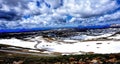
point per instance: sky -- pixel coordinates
(44, 13)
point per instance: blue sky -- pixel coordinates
(45, 13)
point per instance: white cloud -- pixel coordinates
(113, 16)
(88, 7)
(81, 11)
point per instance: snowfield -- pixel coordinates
(68, 46)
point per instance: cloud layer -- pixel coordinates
(41, 13)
